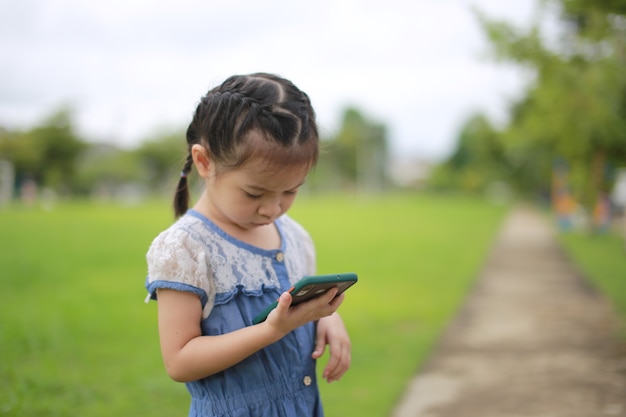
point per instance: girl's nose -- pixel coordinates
(270, 210)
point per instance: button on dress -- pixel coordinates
(235, 281)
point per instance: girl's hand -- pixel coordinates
(331, 331)
(285, 318)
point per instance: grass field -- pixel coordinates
(77, 339)
(602, 260)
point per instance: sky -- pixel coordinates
(128, 68)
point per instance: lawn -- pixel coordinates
(77, 339)
(602, 259)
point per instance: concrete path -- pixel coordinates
(532, 340)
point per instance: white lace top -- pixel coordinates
(196, 255)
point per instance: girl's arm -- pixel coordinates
(189, 356)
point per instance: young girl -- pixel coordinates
(253, 140)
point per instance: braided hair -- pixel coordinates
(260, 102)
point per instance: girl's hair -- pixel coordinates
(280, 115)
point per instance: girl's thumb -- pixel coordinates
(284, 301)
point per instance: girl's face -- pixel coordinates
(252, 195)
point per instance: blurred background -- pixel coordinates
(478, 95)
(424, 108)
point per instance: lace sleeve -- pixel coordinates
(177, 261)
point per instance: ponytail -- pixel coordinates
(181, 197)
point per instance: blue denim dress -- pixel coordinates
(235, 281)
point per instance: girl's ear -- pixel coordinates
(201, 160)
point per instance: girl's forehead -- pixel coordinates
(267, 175)
(264, 154)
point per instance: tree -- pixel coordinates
(476, 162)
(575, 106)
(359, 151)
(47, 153)
(103, 169)
(162, 158)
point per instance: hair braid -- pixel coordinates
(181, 197)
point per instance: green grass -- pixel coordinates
(602, 259)
(416, 257)
(76, 338)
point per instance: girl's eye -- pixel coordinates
(253, 196)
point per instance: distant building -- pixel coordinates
(410, 172)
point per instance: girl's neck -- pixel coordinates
(264, 237)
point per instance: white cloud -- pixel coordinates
(132, 66)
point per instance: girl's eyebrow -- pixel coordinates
(256, 188)
(259, 188)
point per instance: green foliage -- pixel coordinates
(358, 153)
(154, 164)
(477, 144)
(105, 167)
(162, 157)
(592, 18)
(47, 153)
(76, 338)
(477, 161)
(53, 155)
(574, 109)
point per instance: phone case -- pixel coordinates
(313, 286)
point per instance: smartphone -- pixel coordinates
(311, 287)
